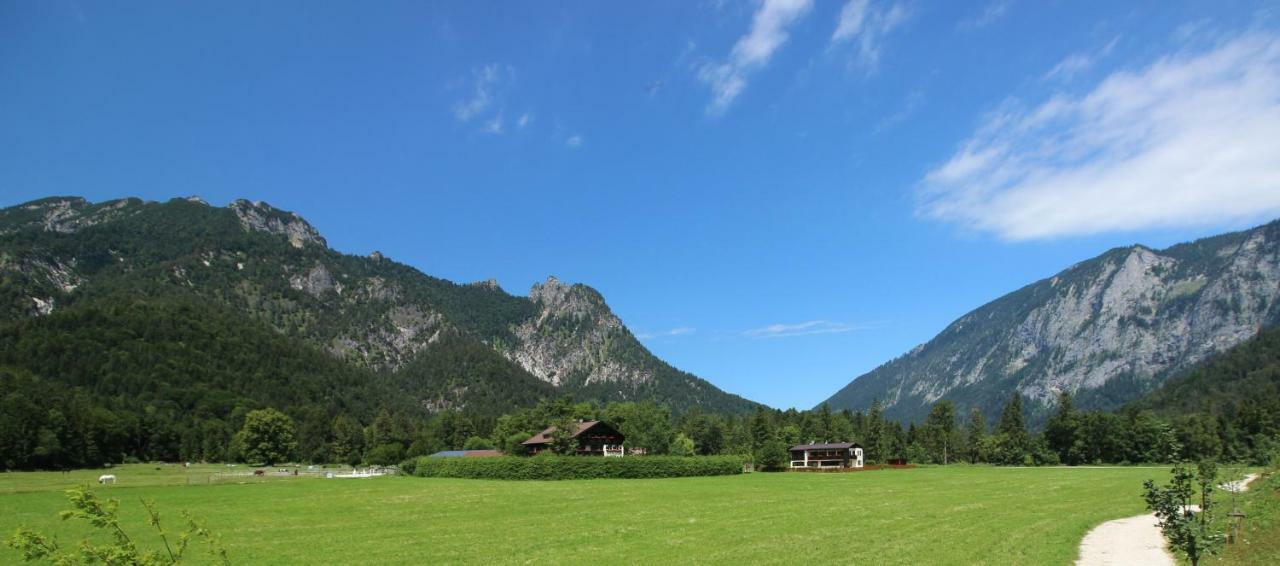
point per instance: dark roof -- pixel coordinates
(466, 454)
(449, 454)
(482, 454)
(544, 437)
(827, 446)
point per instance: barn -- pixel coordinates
(595, 438)
(828, 455)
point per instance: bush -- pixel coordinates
(385, 454)
(113, 545)
(409, 466)
(576, 467)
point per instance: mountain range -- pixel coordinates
(68, 265)
(246, 305)
(1108, 330)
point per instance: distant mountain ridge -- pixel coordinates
(272, 266)
(1108, 329)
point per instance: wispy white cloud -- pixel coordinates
(681, 331)
(1189, 140)
(484, 104)
(1068, 67)
(994, 11)
(802, 329)
(486, 83)
(1077, 63)
(865, 25)
(493, 125)
(574, 141)
(912, 103)
(752, 51)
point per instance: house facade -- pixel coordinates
(595, 438)
(826, 456)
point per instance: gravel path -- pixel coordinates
(1134, 541)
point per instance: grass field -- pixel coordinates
(957, 515)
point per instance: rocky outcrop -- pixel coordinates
(569, 340)
(1107, 330)
(316, 281)
(262, 217)
(64, 215)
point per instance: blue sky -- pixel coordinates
(776, 196)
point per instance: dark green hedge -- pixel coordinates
(575, 467)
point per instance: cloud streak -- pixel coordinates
(865, 25)
(993, 12)
(752, 51)
(681, 331)
(1189, 140)
(1077, 63)
(801, 329)
(486, 83)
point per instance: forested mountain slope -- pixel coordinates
(1239, 380)
(450, 346)
(1109, 330)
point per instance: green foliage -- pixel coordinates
(682, 446)
(268, 437)
(975, 437)
(121, 549)
(386, 454)
(772, 456)
(645, 425)
(1189, 531)
(1229, 406)
(562, 435)
(577, 467)
(347, 441)
(941, 438)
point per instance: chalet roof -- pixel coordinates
(827, 446)
(466, 454)
(544, 437)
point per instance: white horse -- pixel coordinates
(107, 478)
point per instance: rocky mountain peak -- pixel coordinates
(262, 217)
(558, 300)
(1107, 329)
(64, 215)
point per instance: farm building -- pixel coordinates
(595, 438)
(466, 454)
(830, 455)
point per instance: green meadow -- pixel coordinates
(956, 515)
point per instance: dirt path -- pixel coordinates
(1134, 541)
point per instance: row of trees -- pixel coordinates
(46, 425)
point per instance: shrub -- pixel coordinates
(385, 454)
(576, 467)
(1192, 532)
(409, 466)
(772, 456)
(114, 545)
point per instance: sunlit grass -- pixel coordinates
(931, 515)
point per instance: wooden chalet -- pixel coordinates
(829, 455)
(595, 438)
